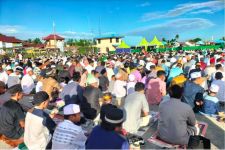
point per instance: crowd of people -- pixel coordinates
(46, 101)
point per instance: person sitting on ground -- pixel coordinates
(106, 105)
(12, 116)
(131, 84)
(39, 126)
(137, 109)
(221, 94)
(177, 119)
(192, 87)
(211, 102)
(156, 88)
(4, 96)
(69, 135)
(107, 135)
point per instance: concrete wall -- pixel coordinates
(105, 43)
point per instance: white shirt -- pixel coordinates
(130, 87)
(67, 135)
(13, 79)
(110, 73)
(119, 89)
(89, 68)
(38, 86)
(221, 94)
(27, 84)
(3, 77)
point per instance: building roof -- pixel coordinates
(53, 37)
(107, 36)
(9, 39)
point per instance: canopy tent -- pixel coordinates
(219, 41)
(144, 43)
(123, 45)
(155, 42)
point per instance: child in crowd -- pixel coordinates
(211, 102)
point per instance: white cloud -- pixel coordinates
(173, 27)
(77, 35)
(182, 9)
(205, 11)
(145, 4)
(10, 29)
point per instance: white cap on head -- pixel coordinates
(142, 62)
(173, 60)
(214, 88)
(195, 75)
(131, 77)
(8, 68)
(71, 109)
(29, 69)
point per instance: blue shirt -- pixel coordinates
(211, 105)
(174, 72)
(103, 139)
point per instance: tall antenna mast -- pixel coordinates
(99, 25)
(53, 26)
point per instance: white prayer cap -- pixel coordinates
(214, 88)
(195, 75)
(148, 59)
(29, 69)
(142, 62)
(71, 109)
(53, 66)
(16, 63)
(8, 68)
(131, 77)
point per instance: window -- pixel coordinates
(99, 41)
(117, 40)
(110, 40)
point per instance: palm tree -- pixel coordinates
(163, 39)
(177, 37)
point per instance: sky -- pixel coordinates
(84, 19)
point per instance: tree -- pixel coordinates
(177, 37)
(37, 41)
(223, 38)
(29, 40)
(163, 39)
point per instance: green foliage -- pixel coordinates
(37, 41)
(195, 40)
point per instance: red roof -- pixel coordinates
(53, 37)
(9, 39)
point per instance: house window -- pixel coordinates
(110, 40)
(99, 41)
(117, 40)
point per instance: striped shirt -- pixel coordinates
(67, 135)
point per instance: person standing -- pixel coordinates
(69, 135)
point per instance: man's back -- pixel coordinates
(175, 117)
(72, 93)
(190, 91)
(104, 139)
(10, 114)
(134, 104)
